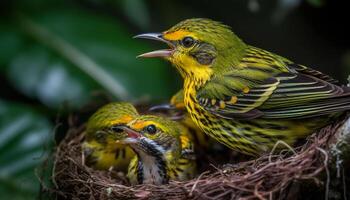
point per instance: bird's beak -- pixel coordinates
(132, 135)
(162, 107)
(168, 107)
(157, 53)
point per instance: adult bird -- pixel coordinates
(163, 150)
(245, 97)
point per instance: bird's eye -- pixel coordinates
(117, 129)
(151, 129)
(100, 136)
(187, 41)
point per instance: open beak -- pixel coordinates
(132, 135)
(157, 53)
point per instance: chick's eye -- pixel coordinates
(151, 129)
(187, 41)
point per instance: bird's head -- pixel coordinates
(103, 125)
(153, 136)
(199, 47)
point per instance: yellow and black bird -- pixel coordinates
(245, 97)
(163, 148)
(99, 148)
(176, 104)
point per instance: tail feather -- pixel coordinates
(323, 107)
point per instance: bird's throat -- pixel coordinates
(151, 170)
(192, 71)
(152, 165)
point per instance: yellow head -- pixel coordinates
(102, 125)
(199, 48)
(153, 136)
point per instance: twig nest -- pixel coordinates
(270, 176)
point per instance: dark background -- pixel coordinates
(59, 57)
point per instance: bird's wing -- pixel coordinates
(312, 72)
(298, 93)
(306, 95)
(232, 96)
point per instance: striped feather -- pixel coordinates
(277, 88)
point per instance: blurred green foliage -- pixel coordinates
(56, 55)
(63, 54)
(60, 52)
(25, 137)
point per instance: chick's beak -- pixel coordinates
(157, 53)
(132, 135)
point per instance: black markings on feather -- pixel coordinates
(303, 88)
(230, 132)
(151, 150)
(123, 153)
(263, 135)
(182, 162)
(249, 147)
(261, 58)
(275, 126)
(195, 136)
(116, 155)
(191, 74)
(310, 71)
(204, 122)
(280, 137)
(178, 169)
(176, 174)
(249, 61)
(140, 172)
(260, 69)
(193, 100)
(90, 159)
(216, 129)
(254, 124)
(251, 114)
(229, 138)
(247, 128)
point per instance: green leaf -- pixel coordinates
(39, 73)
(24, 137)
(74, 52)
(137, 12)
(10, 43)
(108, 43)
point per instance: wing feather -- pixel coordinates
(297, 92)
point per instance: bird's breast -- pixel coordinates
(198, 114)
(152, 170)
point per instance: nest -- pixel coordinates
(272, 176)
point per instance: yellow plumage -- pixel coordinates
(245, 97)
(201, 139)
(99, 148)
(162, 155)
